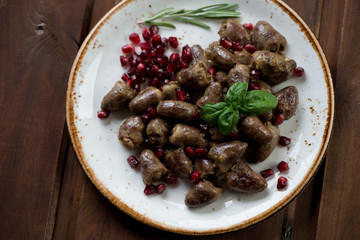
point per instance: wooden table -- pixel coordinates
(44, 193)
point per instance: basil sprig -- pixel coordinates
(225, 115)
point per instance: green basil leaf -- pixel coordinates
(257, 102)
(210, 112)
(228, 120)
(236, 93)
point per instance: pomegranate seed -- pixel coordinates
(182, 95)
(284, 141)
(102, 114)
(145, 118)
(125, 77)
(255, 74)
(155, 82)
(145, 46)
(145, 34)
(154, 69)
(190, 151)
(166, 81)
(248, 26)
(186, 54)
(196, 116)
(171, 67)
(128, 48)
(145, 55)
(123, 61)
(237, 46)
(147, 143)
(153, 53)
(160, 188)
(183, 64)
(160, 153)
(134, 38)
(195, 177)
(200, 152)
(131, 82)
(212, 71)
(278, 119)
(299, 71)
(150, 189)
(153, 30)
(226, 43)
(203, 128)
(170, 178)
(174, 57)
(250, 48)
(164, 42)
(132, 71)
(152, 112)
(133, 162)
(254, 86)
(156, 39)
(283, 166)
(140, 68)
(160, 50)
(173, 42)
(267, 173)
(282, 183)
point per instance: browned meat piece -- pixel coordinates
(213, 94)
(265, 37)
(184, 135)
(158, 132)
(288, 101)
(176, 109)
(202, 194)
(131, 132)
(256, 130)
(242, 57)
(226, 154)
(273, 67)
(204, 166)
(151, 168)
(243, 179)
(216, 135)
(119, 97)
(195, 77)
(239, 73)
(198, 55)
(169, 90)
(220, 57)
(233, 30)
(150, 96)
(220, 77)
(178, 162)
(266, 116)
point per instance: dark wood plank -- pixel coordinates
(340, 201)
(37, 47)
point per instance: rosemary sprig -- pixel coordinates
(222, 10)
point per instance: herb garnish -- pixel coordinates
(225, 115)
(223, 10)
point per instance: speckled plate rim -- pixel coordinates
(70, 118)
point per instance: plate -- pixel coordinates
(95, 70)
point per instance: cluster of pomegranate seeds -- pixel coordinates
(160, 153)
(151, 189)
(196, 152)
(212, 70)
(299, 71)
(182, 95)
(250, 48)
(278, 119)
(248, 26)
(267, 172)
(282, 183)
(284, 141)
(283, 166)
(149, 114)
(133, 162)
(170, 178)
(254, 86)
(195, 177)
(102, 114)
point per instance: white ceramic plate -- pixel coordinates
(103, 158)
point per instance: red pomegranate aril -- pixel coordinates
(125, 77)
(203, 128)
(226, 43)
(278, 119)
(166, 81)
(123, 61)
(186, 55)
(145, 34)
(152, 111)
(173, 42)
(254, 86)
(299, 71)
(155, 82)
(200, 152)
(248, 26)
(154, 69)
(171, 67)
(190, 151)
(170, 178)
(196, 116)
(145, 118)
(128, 48)
(183, 65)
(102, 114)
(212, 70)
(284, 141)
(282, 183)
(160, 50)
(150, 189)
(153, 53)
(134, 38)
(132, 71)
(195, 177)
(181, 94)
(267, 173)
(153, 29)
(237, 46)
(156, 39)
(160, 188)
(147, 143)
(160, 153)
(145, 46)
(164, 42)
(283, 166)
(250, 48)
(255, 74)
(140, 68)
(174, 57)
(133, 162)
